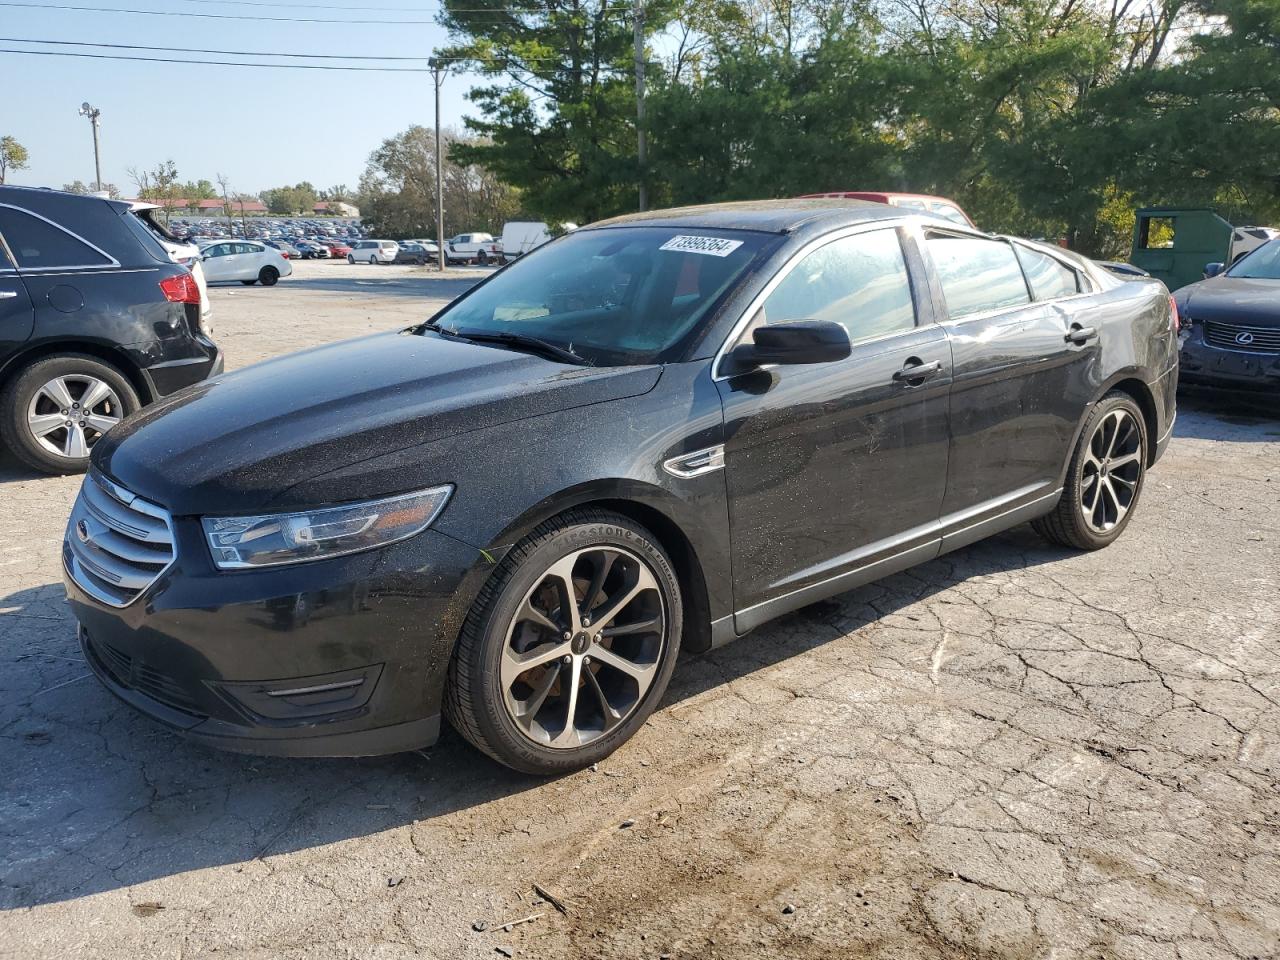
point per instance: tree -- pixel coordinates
(558, 117)
(13, 156)
(287, 201)
(397, 193)
(160, 185)
(79, 186)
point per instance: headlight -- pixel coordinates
(241, 542)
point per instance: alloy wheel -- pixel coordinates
(1111, 471)
(584, 647)
(69, 413)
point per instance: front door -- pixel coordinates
(836, 471)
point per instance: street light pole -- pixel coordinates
(437, 69)
(94, 115)
(641, 146)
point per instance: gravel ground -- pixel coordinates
(1013, 751)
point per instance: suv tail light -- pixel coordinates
(180, 288)
(1174, 319)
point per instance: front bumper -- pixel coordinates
(343, 657)
(1203, 363)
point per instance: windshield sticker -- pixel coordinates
(711, 246)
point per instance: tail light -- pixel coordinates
(1174, 319)
(180, 288)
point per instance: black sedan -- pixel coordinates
(1232, 324)
(410, 252)
(652, 434)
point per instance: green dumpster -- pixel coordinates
(1174, 243)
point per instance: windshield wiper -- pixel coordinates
(532, 344)
(436, 328)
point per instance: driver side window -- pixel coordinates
(860, 282)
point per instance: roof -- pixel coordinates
(769, 216)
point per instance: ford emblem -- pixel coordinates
(1244, 338)
(82, 531)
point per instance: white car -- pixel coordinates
(468, 247)
(179, 251)
(373, 251)
(521, 236)
(245, 260)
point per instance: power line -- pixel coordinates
(228, 53)
(257, 19)
(211, 16)
(210, 63)
(265, 53)
(292, 66)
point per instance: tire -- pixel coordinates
(269, 276)
(351, 260)
(1112, 448)
(495, 635)
(26, 395)
(483, 259)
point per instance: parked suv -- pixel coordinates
(95, 321)
(654, 433)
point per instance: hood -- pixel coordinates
(1239, 300)
(231, 444)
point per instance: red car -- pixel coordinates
(939, 206)
(338, 249)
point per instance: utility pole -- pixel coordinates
(437, 68)
(640, 140)
(94, 115)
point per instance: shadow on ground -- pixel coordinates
(97, 797)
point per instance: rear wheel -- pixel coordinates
(569, 646)
(483, 259)
(351, 260)
(268, 276)
(1104, 480)
(53, 412)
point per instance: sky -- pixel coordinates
(261, 127)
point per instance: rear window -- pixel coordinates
(39, 244)
(1049, 278)
(977, 275)
(146, 235)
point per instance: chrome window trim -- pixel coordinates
(113, 264)
(740, 325)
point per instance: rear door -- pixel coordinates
(17, 317)
(836, 471)
(1020, 384)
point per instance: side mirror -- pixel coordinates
(797, 341)
(1212, 269)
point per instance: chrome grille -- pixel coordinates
(1233, 337)
(116, 544)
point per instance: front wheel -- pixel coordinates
(1104, 480)
(569, 646)
(268, 276)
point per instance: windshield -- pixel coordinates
(1262, 264)
(612, 296)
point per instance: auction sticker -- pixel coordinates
(711, 246)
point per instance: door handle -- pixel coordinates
(1079, 334)
(8, 294)
(914, 371)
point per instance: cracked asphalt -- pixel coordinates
(1013, 751)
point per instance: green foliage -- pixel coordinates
(1046, 118)
(290, 201)
(13, 156)
(79, 186)
(398, 189)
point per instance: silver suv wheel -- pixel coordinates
(69, 413)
